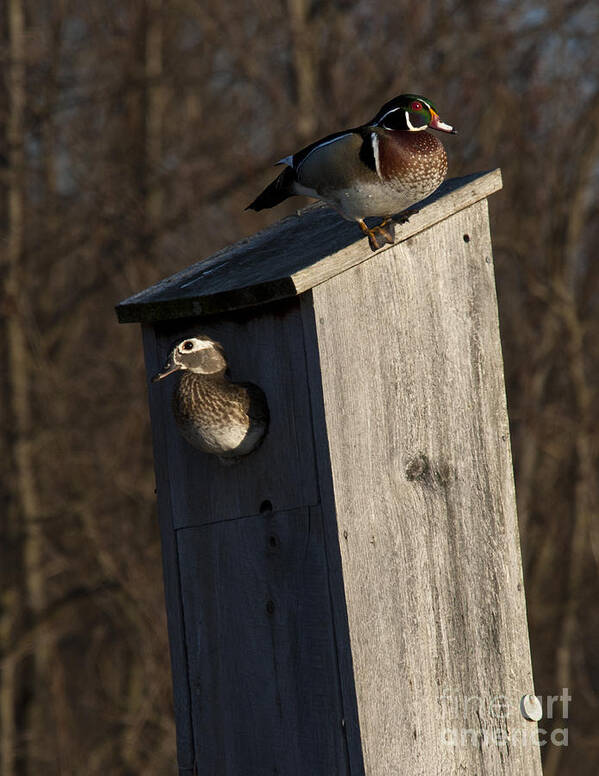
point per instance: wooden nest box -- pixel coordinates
(347, 599)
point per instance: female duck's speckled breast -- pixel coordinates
(215, 415)
(210, 415)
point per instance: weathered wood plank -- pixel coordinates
(389, 469)
(255, 690)
(170, 567)
(331, 539)
(262, 662)
(417, 427)
(288, 258)
(266, 349)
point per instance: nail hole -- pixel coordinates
(272, 540)
(466, 238)
(270, 607)
(265, 506)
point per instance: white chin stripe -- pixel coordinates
(411, 127)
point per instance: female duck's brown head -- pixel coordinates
(200, 355)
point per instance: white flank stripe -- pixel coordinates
(375, 150)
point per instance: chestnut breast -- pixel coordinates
(411, 161)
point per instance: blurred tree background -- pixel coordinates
(133, 135)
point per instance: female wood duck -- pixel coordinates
(213, 414)
(378, 169)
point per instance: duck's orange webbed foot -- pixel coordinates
(379, 235)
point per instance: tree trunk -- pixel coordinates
(154, 109)
(25, 495)
(304, 63)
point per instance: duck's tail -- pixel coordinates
(281, 188)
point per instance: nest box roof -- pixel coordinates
(288, 258)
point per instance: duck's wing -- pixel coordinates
(254, 403)
(336, 161)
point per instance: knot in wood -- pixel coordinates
(418, 467)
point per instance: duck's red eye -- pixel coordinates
(416, 106)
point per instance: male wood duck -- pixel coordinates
(378, 169)
(213, 414)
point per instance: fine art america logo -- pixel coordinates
(497, 720)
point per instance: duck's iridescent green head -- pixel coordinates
(410, 113)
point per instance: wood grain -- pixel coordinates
(411, 380)
(262, 663)
(288, 258)
(255, 674)
(170, 568)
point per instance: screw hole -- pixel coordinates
(265, 506)
(272, 540)
(466, 238)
